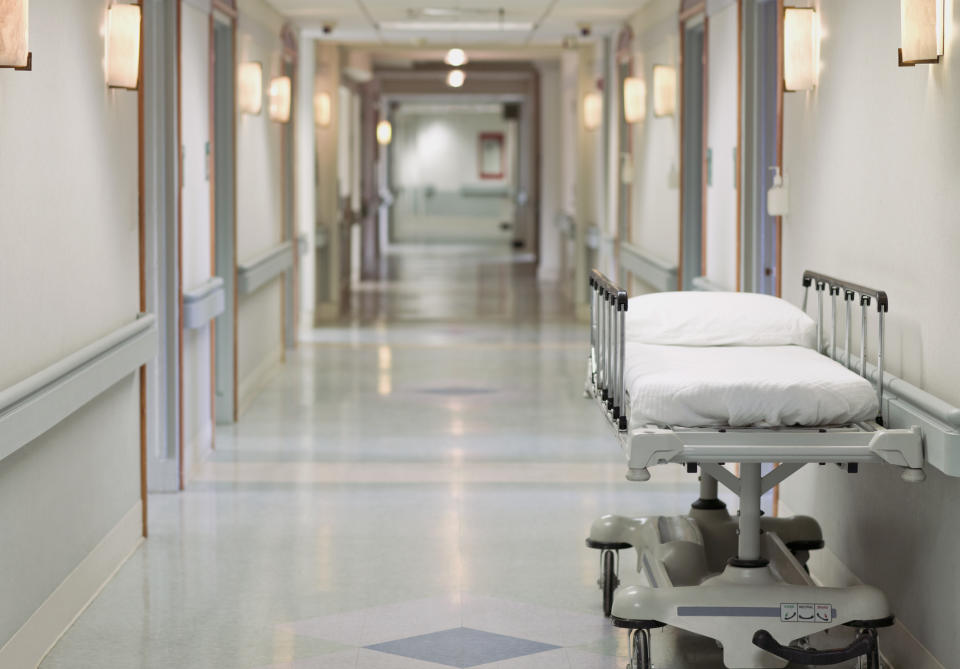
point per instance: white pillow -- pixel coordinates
(694, 318)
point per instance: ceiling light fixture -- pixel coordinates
(455, 78)
(455, 58)
(457, 26)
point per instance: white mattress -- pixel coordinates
(740, 386)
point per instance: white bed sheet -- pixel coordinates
(740, 386)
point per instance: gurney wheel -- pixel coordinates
(640, 649)
(608, 580)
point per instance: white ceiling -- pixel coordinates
(541, 22)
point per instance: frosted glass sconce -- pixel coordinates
(921, 31)
(322, 109)
(123, 46)
(250, 87)
(664, 90)
(801, 48)
(384, 133)
(15, 34)
(634, 99)
(592, 110)
(280, 99)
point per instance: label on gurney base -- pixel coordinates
(806, 613)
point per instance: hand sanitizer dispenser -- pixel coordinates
(778, 200)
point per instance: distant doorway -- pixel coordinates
(692, 150)
(224, 206)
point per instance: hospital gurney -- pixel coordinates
(741, 582)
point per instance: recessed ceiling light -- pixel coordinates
(455, 78)
(455, 58)
(455, 26)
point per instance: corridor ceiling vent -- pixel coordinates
(455, 78)
(384, 133)
(921, 31)
(455, 58)
(634, 99)
(801, 47)
(592, 110)
(280, 99)
(322, 109)
(250, 87)
(664, 90)
(123, 46)
(15, 34)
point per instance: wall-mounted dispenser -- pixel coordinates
(778, 197)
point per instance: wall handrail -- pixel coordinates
(36, 404)
(647, 267)
(203, 303)
(704, 284)
(264, 267)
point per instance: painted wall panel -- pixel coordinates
(259, 201)
(871, 158)
(655, 211)
(69, 275)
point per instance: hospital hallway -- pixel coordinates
(419, 334)
(411, 490)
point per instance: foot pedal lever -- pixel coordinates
(864, 644)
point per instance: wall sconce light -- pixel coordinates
(592, 110)
(280, 99)
(634, 99)
(921, 31)
(15, 35)
(664, 90)
(322, 109)
(384, 133)
(250, 87)
(455, 78)
(801, 47)
(123, 46)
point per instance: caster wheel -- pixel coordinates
(640, 650)
(608, 580)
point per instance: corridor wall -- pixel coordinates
(70, 509)
(196, 229)
(655, 211)
(260, 325)
(871, 155)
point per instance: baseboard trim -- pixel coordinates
(37, 637)
(258, 378)
(899, 647)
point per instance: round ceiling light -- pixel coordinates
(455, 78)
(455, 58)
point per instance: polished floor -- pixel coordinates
(411, 490)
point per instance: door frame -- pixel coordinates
(689, 19)
(224, 13)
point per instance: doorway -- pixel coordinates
(692, 150)
(224, 206)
